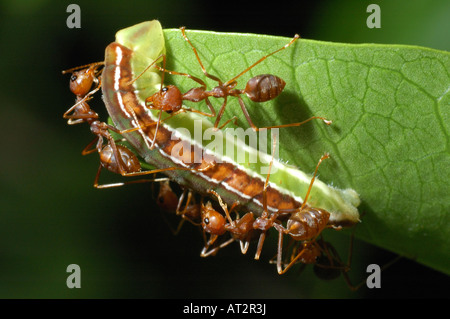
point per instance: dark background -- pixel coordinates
(51, 216)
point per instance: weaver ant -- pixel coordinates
(114, 157)
(260, 88)
(169, 201)
(215, 224)
(80, 84)
(321, 254)
(304, 224)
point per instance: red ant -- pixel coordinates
(169, 201)
(114, 157)
(321, 254)
(304, 224)
(80, 85)
(215, 224)
(260, 88)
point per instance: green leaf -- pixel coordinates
(389, 139)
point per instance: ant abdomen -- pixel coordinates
(129, 160)
(325, 269)
(307, 224)
(264, 87)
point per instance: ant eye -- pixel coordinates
(165, 89)
(73, 78)
(206, 220)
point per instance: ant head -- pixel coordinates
(168, 99)
(81, 82)
(212, 221)
(129, 162)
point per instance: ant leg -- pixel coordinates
(247, 116)
(164, 70)
(156, 130)
(159, 170)
(90, 65)
(164, 193)
(112, 128)
(179, 212)
(219, 117)
(233, 119)
(205, 252)
(163, 56)
(199, 81)
(96, 185)
(97, 176)
(88, 150)
(280, 269)
(211, 241)
(325, 156)
(86, 98)
(261, 240)
(261, 59)
(183, 213)
(211, 108)
(280, 252)
(249, 120)
(266, 221)
(180, 201)
(274, 259)
(221, 111)
(212, 77)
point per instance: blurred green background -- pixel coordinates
(51, 216)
